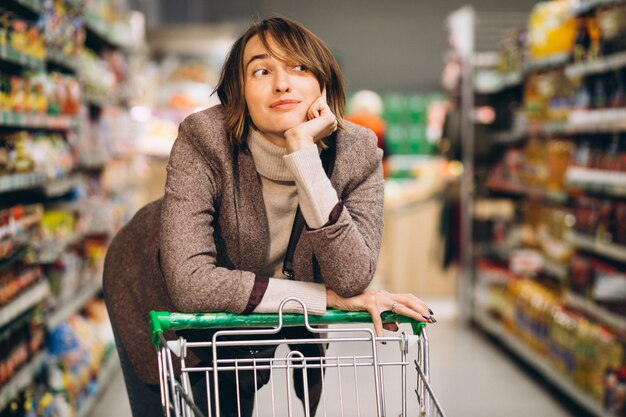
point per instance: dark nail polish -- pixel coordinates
(430, 311)
(430, 319)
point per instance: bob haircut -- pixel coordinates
(296, 44)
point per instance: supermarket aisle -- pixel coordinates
(471, 375)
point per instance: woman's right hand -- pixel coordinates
(376, 302)
(320, 124)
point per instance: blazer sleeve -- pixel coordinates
(347, 249)
(188, 251)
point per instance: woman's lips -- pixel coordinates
(284, 104)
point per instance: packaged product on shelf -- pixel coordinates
(581, 273)
(65, 274)
(535, 169)
(510, 52)
(575, 346)
(609, 290)
(612, 25)
(26, 39)
(620, 222)
(20, 341)
(52, 155)
(63, 28)
(14, 280)
(551, 29)
(78, 349)
(559, 154)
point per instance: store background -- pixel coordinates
(73, 173)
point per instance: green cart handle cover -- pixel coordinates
(161, 321)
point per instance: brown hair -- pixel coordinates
(297, 44)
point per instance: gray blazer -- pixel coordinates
(214, 234)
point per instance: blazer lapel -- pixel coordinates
(253, 226)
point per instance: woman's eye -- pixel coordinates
(260, 72)
(299, 68)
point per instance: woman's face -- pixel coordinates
(278, 94)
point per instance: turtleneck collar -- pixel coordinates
(268, 158)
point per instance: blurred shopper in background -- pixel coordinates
(366, 109)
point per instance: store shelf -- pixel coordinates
(24, 301)
(37, 121)
(62, 61)
(62, 186)
(581, 122)
(598, 66)
(17, 182)
(503, 82)
(494, 328)
(609, 250)
(93, 163)
(29, 10)
(533, 65)
(596, 121)
(585, 6)
(100, 34)
(11, 56)
(73, 305)
(555, 269)
(509, 137)
(503, 253)
(21, 380)
(596, 180)
(17, 256)
(107, 372)
(32, 5)
(51, 252)
(593, 310)
(523, 190)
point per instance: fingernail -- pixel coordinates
(430, 311)
(430, 319)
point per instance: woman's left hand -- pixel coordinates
(376, 302)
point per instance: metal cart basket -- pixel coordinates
(364, 375)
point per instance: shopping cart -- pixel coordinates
(378, 385)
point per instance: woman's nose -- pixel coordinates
(281, 83)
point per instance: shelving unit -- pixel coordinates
(17, 182)
(107, 372)
(598, 66)
(612, 320)
(61, 62)
(605, 182)
(22, 379)
(609, 250)
(73, 305)
(538, 363)
(523, 190)
(11, 56)
(87, 158)
(546, 63)
(24, 302)
(528, 132)
(37, 121)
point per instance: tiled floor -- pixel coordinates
(471, 375)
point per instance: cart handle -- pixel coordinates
(161, 321)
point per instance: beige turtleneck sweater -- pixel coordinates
(289, 180)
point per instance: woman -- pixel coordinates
(236, 176)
